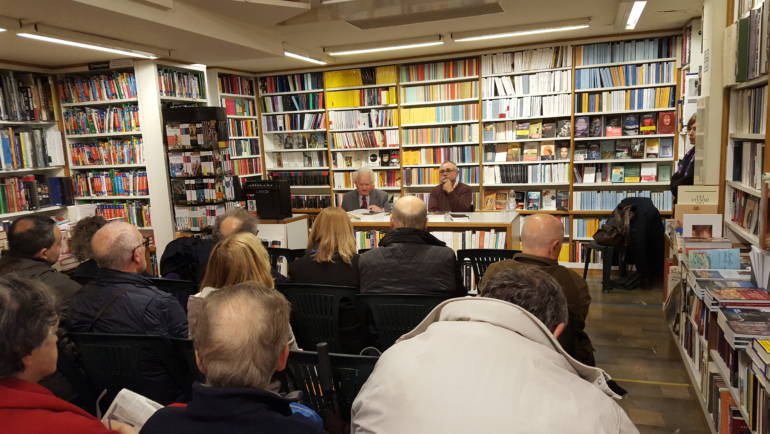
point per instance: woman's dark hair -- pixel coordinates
(82, 232)
(35, 235)
(27, 312)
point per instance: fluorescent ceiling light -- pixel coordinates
(305, 58)
(509, 32)
(57, 35)
(2, 29)
(384, 46)
(88, 46)
(635, 14)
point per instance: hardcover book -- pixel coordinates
(562, 200)
(514, 152)
(522, 130)
(666, 123)
(595, 128)
(563, 127)
(608, 149)
(563, 153)
(549, 200)
(623, 149)
(652, 148)
(724, 259)
(666, 147)
(530, 152)
(581, 152)
(647, 124)
(549, 130)
(547, 151)
(581, 126)
(637, 148)
(617, 173)
(533, 200)
(589, 174)
(649, 172)
(613, 126)
(630, 125)
(536, 130)
(632, 172)
(594, 152)
(501, 152)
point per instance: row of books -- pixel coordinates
(288, 103)
(108, 152)
(618, 100)
(626, 125)
(439, 70)
(747, 161)
(586, 227)
(361, 97)
(447, 113)
(527, 106)
(136, 213)
(381, 178)
(530, 151)
(22, 149)
(360, 76)
(526, 60)
(578, 253)
(440, 92)
(356, 159)
(196, 218)
(290, 160)
(548, 200)
(310, 201)
(296, 141)
(181, 84)
(608, 200)
(25, 97)
(625, 51)
(246, 166)
(111, 183)
(97, 87)
(291, 82)
(453, 134)
(437, 155)
(744, 210)
(748, 107)
(523, 130)
(525, 84)
(372, 118)
(197, 163)
(626, 148)
(243, 147)
(752, 43)
(557, 173)
(201, 191)
(236, 84)
(180, 136)
(113, 119)
(320, 177)
(287, 122)
(365, 139)
(242, 127)
(625, 75)
(621, 173)
(239, 106)
(23, 193)
(428, 175)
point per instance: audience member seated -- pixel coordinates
(34, 244)
(365, 196)
(542, 236)
(236, 259)
(409, 259)
(331, 248)
(450, 194)
(489, 364)
(28, 353)
(240, 341)
(185, 258)
(80, 244)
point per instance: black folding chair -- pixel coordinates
(476, 261)
(315, 312)
(184, 349)
(392, 315)
(276, 253)
(180, 289)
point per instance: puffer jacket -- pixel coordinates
(39, 270)
(409, 261)
(484, 365)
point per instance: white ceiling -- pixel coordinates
(250, 34)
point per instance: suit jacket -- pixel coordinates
(351, 200)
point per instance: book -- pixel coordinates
(536, 130)
(549, 200)
(581, 126)
(547, 150)
(514, 152)
(501, 152)
(581, 152)
(562, 152)
(622, 149)
(594, 151)
(562, 200)
(130, 408)
(652, 148)
(595, 128)
(666, 123)
(531, 151)
(522, 130)
(728, 259)
(632, 172)
(613, 126)
(664, 173)
(630, 125)
(702, 225)
(607, 149)
(617, 173)
(647, 124)
(637, 148)
(649, 172)
(746, 323)
(549, 130)
(666, 147)
(589, 174)
(533, 200)
(563, 128)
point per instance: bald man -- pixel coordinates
(409, 259)
(541, 237)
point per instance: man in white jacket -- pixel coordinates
(490, 364)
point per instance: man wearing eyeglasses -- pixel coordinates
(450, 194)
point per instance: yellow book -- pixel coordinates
(385, 74)
(343, 98)
(343, 78)
(564, 253)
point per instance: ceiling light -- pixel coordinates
(533, 29)
(635, 14)
(88, 46)
(2, 29)
(305, 58)
(405, 44)
(71, 38)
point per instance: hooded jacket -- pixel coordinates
(483, 365)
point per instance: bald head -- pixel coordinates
(409, 212)
(118, 246)
(542, 235)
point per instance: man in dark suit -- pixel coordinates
(365, 196)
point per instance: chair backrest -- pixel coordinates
(180, 289)
(360, 251)
(478, 260)
(315, 312)
(148, 365)
(392, 315)
(184, 349)
(349, 373)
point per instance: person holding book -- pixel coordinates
(28, 353)
(451, 194)
(365, 196)
(685, 169)
(489, 364)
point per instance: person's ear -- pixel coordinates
(392, 221)
(199, 364)
(138, 255)
(283, 358)
(559, 330)
(42, 253)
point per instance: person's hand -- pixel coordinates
(448, 186)
(375, 208)
(120, 427)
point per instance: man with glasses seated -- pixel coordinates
(121, 300)
(450, 194)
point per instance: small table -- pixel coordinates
(607, 254)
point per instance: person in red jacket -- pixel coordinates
(28, 324)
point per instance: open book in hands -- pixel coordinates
(130, 408)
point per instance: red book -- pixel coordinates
(666, 123)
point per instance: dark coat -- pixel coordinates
(39, 270)
(85, 271)
(185, 258)
(231, 411)
(574, 339)
(646, 249)
(410, 261)
(306, 270)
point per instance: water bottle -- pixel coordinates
(511, 200)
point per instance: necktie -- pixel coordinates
(364, 205)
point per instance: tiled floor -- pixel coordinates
(634, 346)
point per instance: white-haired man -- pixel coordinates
(365, 196)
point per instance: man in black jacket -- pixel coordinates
(410, 259)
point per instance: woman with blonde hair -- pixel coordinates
(331, 250)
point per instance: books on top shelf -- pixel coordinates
(107, 152)
(290, 103)
(236, 84)
(103, 86)
(181, 83)
(748, 109)
(752, 43)
(25, 97)
(291, 83)
(360, 77)
(625, 51)
(439, 70)
(527, 60)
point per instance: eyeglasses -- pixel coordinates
(442, 171)
(145, 243)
